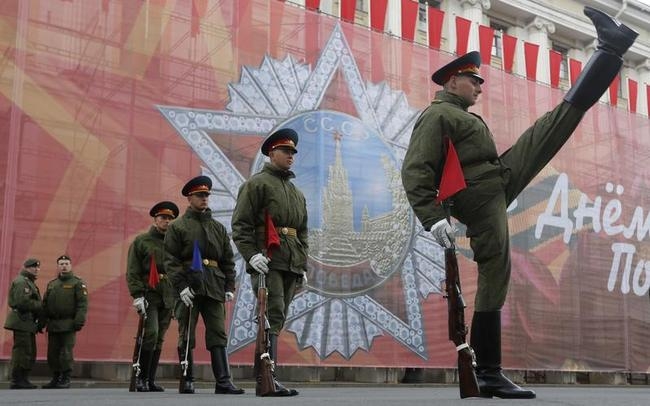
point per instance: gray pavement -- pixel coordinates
(400, 395)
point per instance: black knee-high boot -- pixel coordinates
(485, 339)
(20, 380)
(64, 380)
(221, 370)
(280, 390)
(141, 382)
(614, 40)
(153, 366)
(52, 383)
(187, 384)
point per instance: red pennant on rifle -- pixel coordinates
(154, 278)
(272, 237)
(452, 180)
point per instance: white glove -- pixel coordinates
(443, 233)
(260, 263)
(186, 296)
(302, 281)
(229, 296)
(140, 305)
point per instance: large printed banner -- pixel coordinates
(107, 107)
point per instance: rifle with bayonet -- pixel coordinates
(456, 323)
(263, 364)
(137, 351)
(450, 180)
(185, 363)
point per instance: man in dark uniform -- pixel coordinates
(493, 180)
(199, 261)
(151, 291)
(24, 311)
(65, 305)
(271, 192)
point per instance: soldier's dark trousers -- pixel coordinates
(23, 356)
(221, 370)
(281, 287)
(156, 325)
(59, 354)
(485, 339)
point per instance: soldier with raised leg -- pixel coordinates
(495, 180)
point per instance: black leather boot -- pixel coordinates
(141, 382)
(52, 383)
(188, 385)
(64, 380)
(153, 366)
(612, 37)
(486, 342)
(19, 380)
(221, 370)
(280, 390)
(614, 40)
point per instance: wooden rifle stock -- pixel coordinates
(137, 350)
(263, 364)
(458, 329)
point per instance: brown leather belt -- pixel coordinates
(288, 231)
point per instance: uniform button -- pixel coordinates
(285, 230)
(206, 262)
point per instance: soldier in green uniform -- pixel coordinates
(152, 291)
(493, 180)
(271, 191)
(65, 305)
(23, 319)
(199, 261)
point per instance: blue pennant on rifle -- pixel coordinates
(197, 260)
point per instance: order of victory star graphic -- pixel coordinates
(362, 233)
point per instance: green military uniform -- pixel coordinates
(270, 199)
(271, 190)
(65, 305)
(196, 235)
(493, 180)
(209, 286)
(24, 311)
(160, 299)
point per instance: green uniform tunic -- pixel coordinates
(209, 286)
(161, 298)
(493, 180)
(65, 305)
(271, 190)
(24, 311)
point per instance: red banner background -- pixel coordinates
(88, 153)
